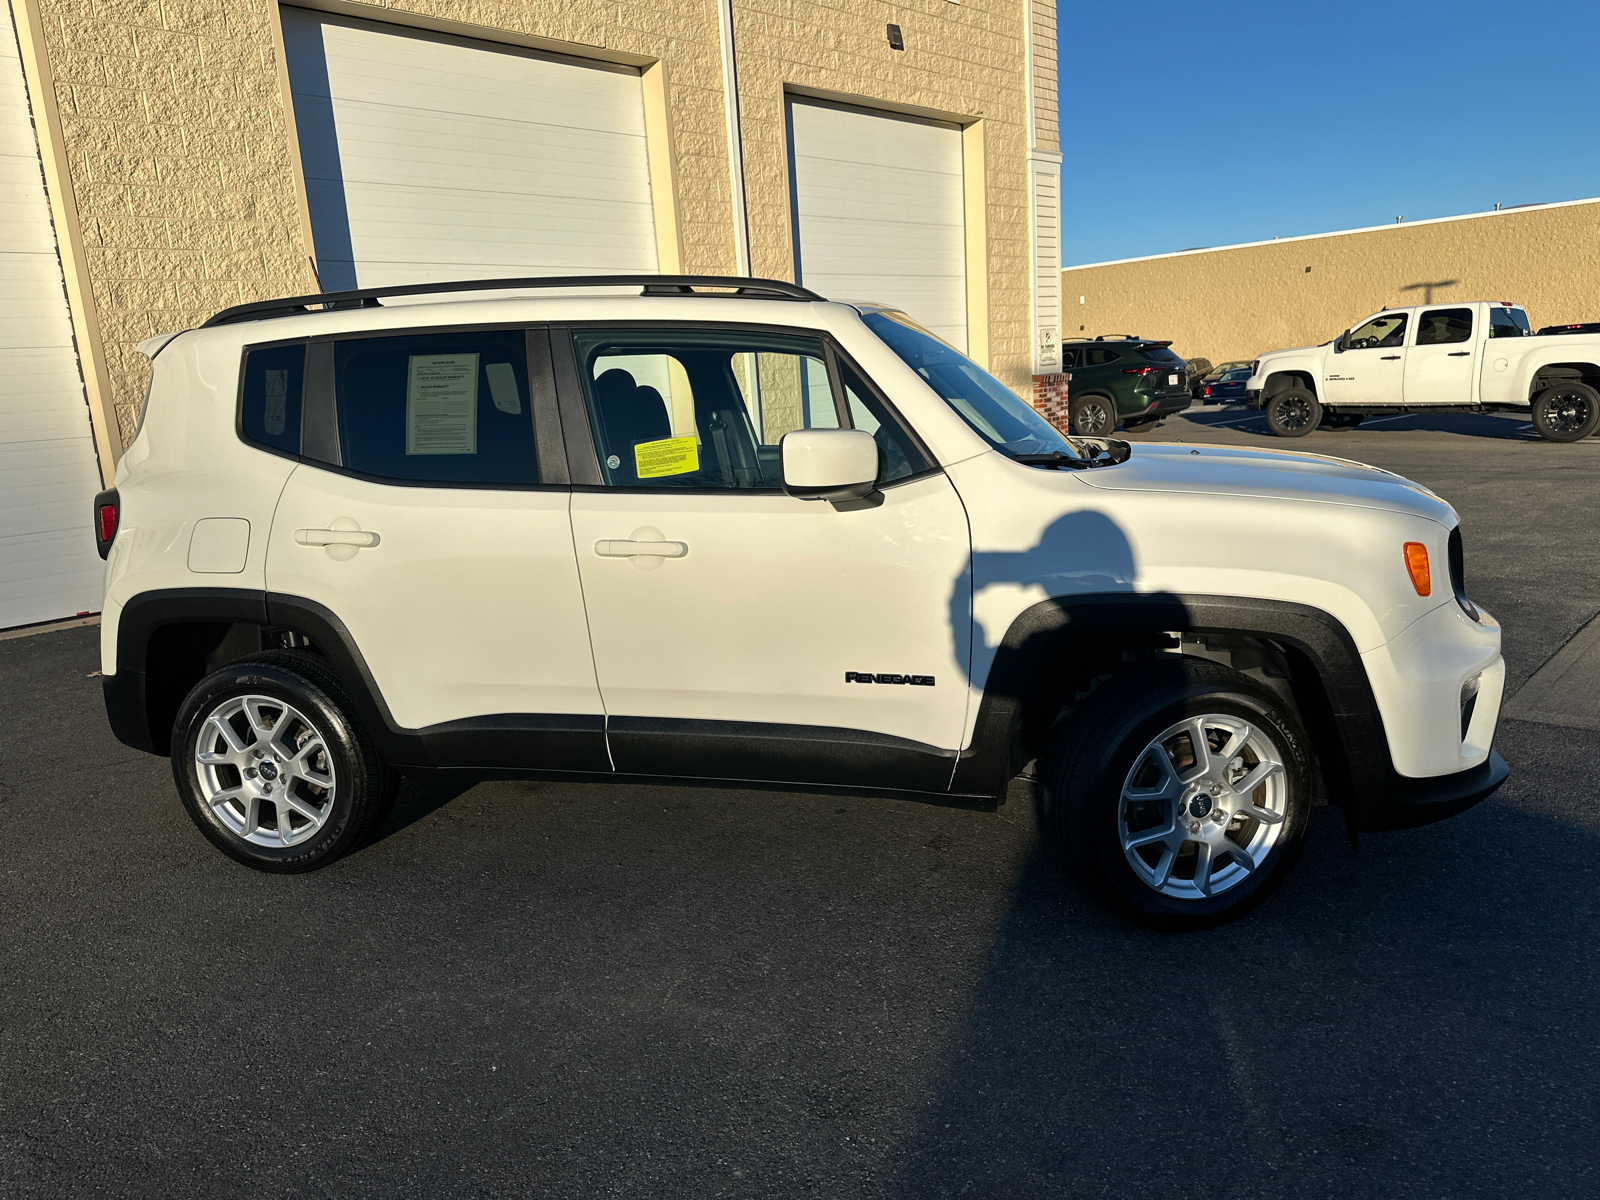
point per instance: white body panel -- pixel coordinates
(879, 212)
(468, 605)
(433, 158)
(775, 601)
(48, 469)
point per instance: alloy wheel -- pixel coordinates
(1294, 413)
(264, 770)
(1566, 412)
(1203, 806)
(1092, 419)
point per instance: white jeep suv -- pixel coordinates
(716, 528)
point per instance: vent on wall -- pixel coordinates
(896, 42)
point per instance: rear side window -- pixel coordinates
(270, 399)
(1507, 322)
(1099, 358)
(1444, 326)
(447, 408)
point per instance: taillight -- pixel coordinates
(1138, 370)
(1416, 555)
(1208, 391)
(107, 515)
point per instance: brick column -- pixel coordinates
(1050, 398)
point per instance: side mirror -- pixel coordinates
(829, 464)
(1338, 342)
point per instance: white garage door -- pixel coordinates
(48, 469)
(434, 158)
(878, 212)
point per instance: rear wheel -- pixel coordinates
(273, 766)
(1092, 416)
(1293, 412)
(1180, 797)
(1567, 412)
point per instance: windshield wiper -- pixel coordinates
(1103, 452)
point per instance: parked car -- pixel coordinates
(1585, 327)
(1196, 369)
(758, 536)
(1476, 357)
(1213, 375)
(1229, 387)
(1122, 380)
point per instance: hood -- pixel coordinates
(1268, 475)
(1292, 350)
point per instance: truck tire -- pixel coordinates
(1566, 412)
(1092, 416)
(1293, 412)
(1165, 834)
(273, 766)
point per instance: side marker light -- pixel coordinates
(1416, 555)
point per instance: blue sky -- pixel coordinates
(1190, 124)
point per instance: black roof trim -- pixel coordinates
(653, 285)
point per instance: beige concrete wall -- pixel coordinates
(1236, 303)
(176, 134)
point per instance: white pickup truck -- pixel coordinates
(1446, 357)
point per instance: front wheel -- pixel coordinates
(273, 766)
(1293, 412)
(1092, 416)
(1180, 797)
(1567, 412)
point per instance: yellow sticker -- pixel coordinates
(670, 456)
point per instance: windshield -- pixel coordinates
(994, 411)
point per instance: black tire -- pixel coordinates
(1566, 412)
(301, 690)
(1092, 416)
(1293, 412)
(1094, 757)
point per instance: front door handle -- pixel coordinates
(1459, 353)
(627, 548)
(1390, 357)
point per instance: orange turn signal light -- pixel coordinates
(1417, 567)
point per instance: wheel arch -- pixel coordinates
(1288, 377)
(1546, 374)
(1050, 645)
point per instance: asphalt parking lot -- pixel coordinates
(539, 989)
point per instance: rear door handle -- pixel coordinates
(624, 548)
(1390, 357)
(336, 537)
(1459, 353)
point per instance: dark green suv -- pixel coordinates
(1122, 380)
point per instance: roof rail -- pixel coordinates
(653, 285)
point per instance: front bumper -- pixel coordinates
(1252, 397)
(1402, 803)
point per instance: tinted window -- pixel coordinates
(446, 407)
(1238, 376)
(274, 380)
(700, 408)
(1443, 326)
(1507, 322)
(1069, 359)
(1161, 354)
(1381, 333)
(1099, 358)
(996, 413)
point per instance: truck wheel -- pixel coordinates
(1092, 416)
(274, 768)
(1293, 412)
(1180, 796)
(1567, 412)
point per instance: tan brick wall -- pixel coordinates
(1231, 304)
(183, 173)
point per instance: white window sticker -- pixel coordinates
(442, 404)
(503, 388)
(277, 406)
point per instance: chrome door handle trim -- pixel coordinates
(623, 548)
(336, 537)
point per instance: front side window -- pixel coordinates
(1444, 326)
(993, 410)
(1383, 332)
(270, 398)
(450, 408)
(708, 408)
